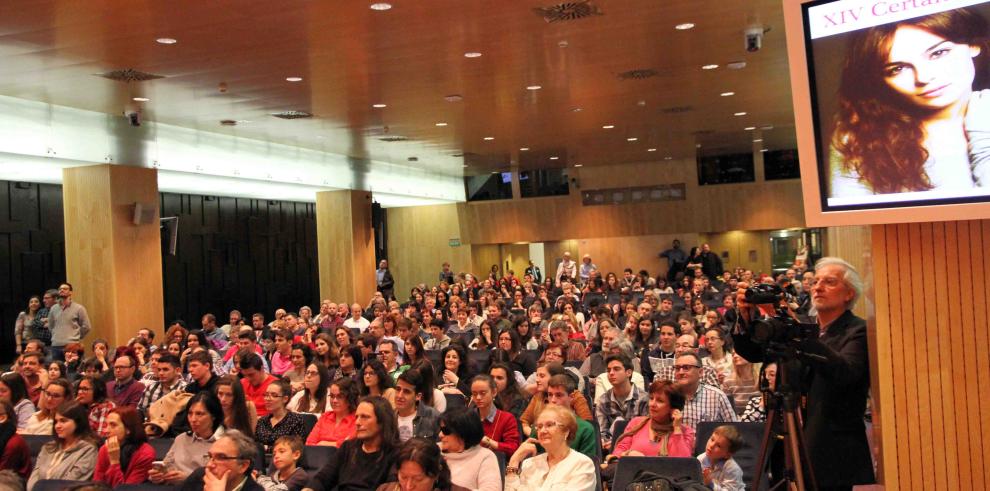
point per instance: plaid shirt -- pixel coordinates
(155, 391)
(608, 409)
(666, 372)
(98, 417)
(708, 404)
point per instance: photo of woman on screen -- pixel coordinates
(914, 109)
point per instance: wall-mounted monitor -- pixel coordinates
(892, 108)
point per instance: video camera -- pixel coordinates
(781, 328)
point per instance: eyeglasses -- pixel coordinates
(269, 395)
(122, 367)
(221, 457)
(549, 425)
(54, 396)
(684, 368)
(312, 373)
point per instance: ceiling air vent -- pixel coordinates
(128, 75)
(228, 122)
(568, 11)
(292, 114)
(677, 109)
(393, 139)
(638, 74)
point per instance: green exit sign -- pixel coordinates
(455, 242)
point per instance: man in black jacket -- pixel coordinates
(385, 281)
(836, 382)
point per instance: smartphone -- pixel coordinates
(158, 466)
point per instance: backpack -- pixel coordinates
(645, 480)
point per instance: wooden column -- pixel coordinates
(115, 266)
(346, 245)
(930, 354)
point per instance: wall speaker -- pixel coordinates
(144, 213)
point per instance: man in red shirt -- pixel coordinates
(255, 381)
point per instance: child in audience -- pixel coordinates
(718, 468)
(286, 475)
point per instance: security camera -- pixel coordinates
(754, 39)
(133, 115)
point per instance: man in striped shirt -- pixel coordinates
(169, 373)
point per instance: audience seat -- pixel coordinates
(161, 446)
(434, 357)
(619, 428)
(35, 442)
(455, 401)
(672, 467)
(355, 332)
(56, 484)
(314, 456)
(747, 456)
(309, 421)
(478, 361)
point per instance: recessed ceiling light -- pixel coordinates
(683, 27)
(750, 128)
(578, 165)
(763, 150)
(736, 65)
(641, 103)
(554, 157)
(381, 6)
(293, 79)
(740, 113)
(534, 87)
(453, 98)
(758, 140)
(608, 126)
(141, 99)
(727, 94)
(489, 138)
(709, 67)
(243, 121)
(668, 158)
(524, 149)
(379, 106)
(631, 139)
(465, 165)
(166, 41)
(441, 124)
(575, 109)
(472, 54)
(651, 150)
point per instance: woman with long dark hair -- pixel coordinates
(421, 467)
(913, 113)
(15, 455)
(126, 456)
(91, 392)
(336, 425)
(238, 412)
(14, 390)
(25, 319)
(509, 396)
(453, 371)
(56, 392)
(71, 455)
(312, 398)
(375, 380)
(188, 451)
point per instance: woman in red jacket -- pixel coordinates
(126, 456)
(16, 455)
(501, 428)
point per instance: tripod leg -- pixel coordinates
(804, 451)
(765, 449)
(793, 448)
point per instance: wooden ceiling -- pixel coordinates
(410, 57)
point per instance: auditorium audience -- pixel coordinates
(559, 467)
(285, 475)
(279, 421)
(415, 417)
(42, 422)
(420, 467)
(501, 430)
(227, 467)
(126, 456)
(337, 425)
(375, 381)
(254, 380)
(71, 455)
(238, 412)
(91, 393)
(509, 396)
(188, 451)
(313, 398)
(124, 389)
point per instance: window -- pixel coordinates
(543, 182)
(781, 164)
(486, 187)
(724, 169)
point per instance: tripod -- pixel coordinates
(783, 412)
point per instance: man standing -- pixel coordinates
(414, 417)
(623, 401)
(534, 271)
(67, 320)
(676, 260)
(837, 381)
(584, 272)
(702, 402)
(124, 390)
(566, 268)
(446, 275)
(384, 280)
(711, 264)
(40, 328)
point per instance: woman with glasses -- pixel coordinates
(126, 456)
(71, 455)
(350, 364)
(91, 392)
(188, 451)
(56, 392)
(337, 425)
(312, 399)
(558, 467)
(375, 380)
(472, 466)
(279, 421)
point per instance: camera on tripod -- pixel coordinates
(781, 328)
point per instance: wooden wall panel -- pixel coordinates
(346, 245)
(614, 254)
(850, 243)
(483, 257)
(419, 243)
(738, 243)
(32, 250)
(929, 354)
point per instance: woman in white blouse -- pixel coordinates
(559, 467)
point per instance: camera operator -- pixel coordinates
(835, 383)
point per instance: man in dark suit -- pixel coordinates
(386, 284)
(836, 382)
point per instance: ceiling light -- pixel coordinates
(379, 106)
(668, 158)
(651, 150)
(641, 103)
(441, 124)
(578, 165)
(683, 27)
(750, 128)
(631, 139)
(740, 113)
(736, 65)
(465, 165)
(489, 138)
(243, 121)
(575, 109)
(524, 149)
(381, 6)
(472, 54)
(141, 99)
(709, 67)
(727, 94)
(608, 126)
(758, 140)
(453, 98)
(533, 87)
(763, 150)
(165, 41)
(293, 79)
(554, 157)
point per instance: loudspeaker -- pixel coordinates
(144, 213)
(170, 237)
